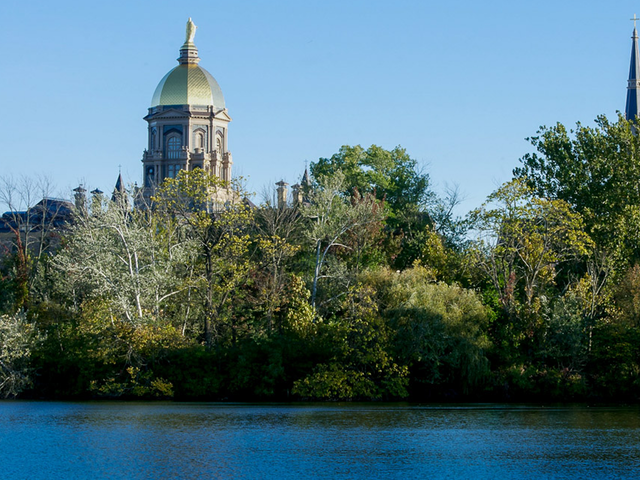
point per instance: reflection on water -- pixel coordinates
(191, 440)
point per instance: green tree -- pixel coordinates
(391, 176)
(440, 330)
(522, 240)
(566, 342)
(615, 354)
(614, 369)
(360, 364)
(215, 219)
(596, 170)
(265, 364)
(523, 243)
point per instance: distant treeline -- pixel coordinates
(366, 286)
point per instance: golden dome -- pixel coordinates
(188, 84)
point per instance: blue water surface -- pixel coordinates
(352, 441)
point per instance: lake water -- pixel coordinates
(356, 441)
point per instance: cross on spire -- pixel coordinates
(634, 19)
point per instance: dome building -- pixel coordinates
(188, 121)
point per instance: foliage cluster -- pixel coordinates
(370, 289)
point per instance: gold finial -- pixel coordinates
(634, 19)
(191, 31)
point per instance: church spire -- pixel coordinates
(119, 192)
(633, 87)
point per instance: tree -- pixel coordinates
(18, 338)
(124, 258)
(440, 330)
(596, 171)
(413, 212)
(33, 215)
(35, 221)
(566, 340)
(214, 218)
(278, 227)
(331, 216)
(265, 364)
(391, 175)
(523, 240)
(360, 363)
(451, 228)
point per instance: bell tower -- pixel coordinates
(188, 122)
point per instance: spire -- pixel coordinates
(119, 192)
(633, 86)
(306, 180)
(301, 190)
(188, 51)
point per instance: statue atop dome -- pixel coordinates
(191, 31)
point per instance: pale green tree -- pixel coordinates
(331, 216)
(124, 257)
(18, 338)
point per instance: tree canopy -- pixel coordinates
(596, 170)
(367, 289)
(392, 175)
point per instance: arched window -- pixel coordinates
(173, 147)
(152, 140)
(219, 146)
(199, 139)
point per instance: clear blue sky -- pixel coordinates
(459, 84)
